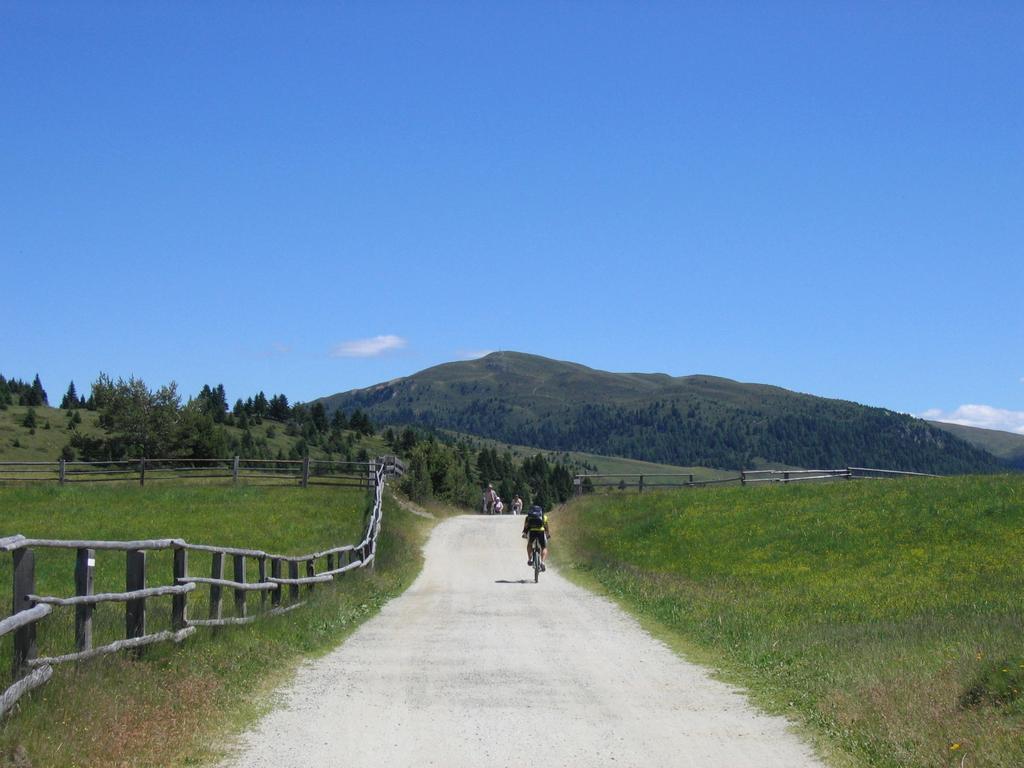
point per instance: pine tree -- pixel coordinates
(339, 421)
(319, 416)
(38, 393)
(279, 409)
(70, 399)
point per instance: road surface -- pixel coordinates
(475, 666)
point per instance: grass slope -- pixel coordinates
(1006, 445)
(884, 616)
(20, 443)
(179, 705)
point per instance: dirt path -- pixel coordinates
(411, 507)
(474, 666)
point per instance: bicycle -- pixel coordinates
(535, 558)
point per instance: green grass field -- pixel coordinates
(885, 617)
(177, 705)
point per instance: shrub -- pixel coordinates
(999, 682)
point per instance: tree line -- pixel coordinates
(454, 472)
(137, 422)
(17, 392)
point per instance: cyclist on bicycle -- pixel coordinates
(536, 528)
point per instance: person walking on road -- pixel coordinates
(517, 505)
(490, 499)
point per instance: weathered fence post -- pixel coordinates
(691, 479)
(785, 477)
(240, 593)
(330, 561)
(743, 477)
(293, 573)
(142, 471)
(179, 603)
(275, 572)
(24, 585)
(62, 470)
(135, 578)
(305, 472)
(310, 571)
(641, 484)
(216, 592)
(261, 562)
(85, 562)
(234, 471)
(849, 474)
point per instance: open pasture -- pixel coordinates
(169, 705)
(885, 616)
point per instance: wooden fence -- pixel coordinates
(304, 472)
(31, 671)
(585, 482)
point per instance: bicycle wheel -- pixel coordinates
(536, 565)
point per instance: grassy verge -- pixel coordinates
(885, 617)
(180, 705)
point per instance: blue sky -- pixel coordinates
(311, 197)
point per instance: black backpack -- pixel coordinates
(535, 518)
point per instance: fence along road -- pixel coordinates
(31, 671)
(474, 666)
(587, 482)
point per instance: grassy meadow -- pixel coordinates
(179, 705)
(884, 617)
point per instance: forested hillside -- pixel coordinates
(691, 420)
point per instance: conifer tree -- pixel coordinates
(38, 393)
(319, 416)
(70, 399)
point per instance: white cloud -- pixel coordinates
(473, 354)
(984, 416)
(374, 347)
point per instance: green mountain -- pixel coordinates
(686, 421)
(1008, 446)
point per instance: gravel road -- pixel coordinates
(475, 666)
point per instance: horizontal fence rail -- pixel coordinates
(31, 671)
(304, 472)
(586, 482)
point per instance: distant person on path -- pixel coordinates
(517, 505)
(490, 498)
(499, 506)
(536, 527)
